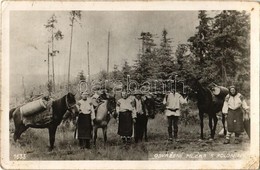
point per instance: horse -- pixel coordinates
(103, 117)
(149, 112)
(59, 108)
(206, 104)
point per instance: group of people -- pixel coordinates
(131, 113)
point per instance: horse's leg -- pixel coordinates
(223, 122)
(95, 134)
(210, 125)
(52, 132)
(19, 131)
(19, 126)
(201, 125)
(105, 134)
(215, 125)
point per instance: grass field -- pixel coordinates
(34, 144)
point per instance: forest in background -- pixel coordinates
(219, 52)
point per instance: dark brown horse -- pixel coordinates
(104, 111)
(206, 104)
(59, 108)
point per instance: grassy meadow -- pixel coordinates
(34, 144)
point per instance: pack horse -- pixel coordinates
(42, 117)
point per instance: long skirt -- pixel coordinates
(84, 126)
(125, 126)
(235, 120)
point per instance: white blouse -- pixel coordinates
(234, 102)
(86, 107)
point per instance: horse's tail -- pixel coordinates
(11, 113)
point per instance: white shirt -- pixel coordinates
(173, 101)
(125, 105)
(86, 107)
(234, 102)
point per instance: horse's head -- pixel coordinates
(71, 104)
(149, 104)
(111, 104)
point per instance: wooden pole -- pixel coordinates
(48, 62)
(108, 52)
(88, 70)
(71, 36)
(24, 91)
(52, 52)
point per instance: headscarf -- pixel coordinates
(232, 87)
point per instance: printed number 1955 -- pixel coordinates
(19, 156)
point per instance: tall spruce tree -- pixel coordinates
(165, 60)
(145, 63)
(232, 47)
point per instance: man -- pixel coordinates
(172, 103)
(234, 107)
(126, 117)
(141, 117)
(84, 124)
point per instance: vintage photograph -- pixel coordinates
(130, 85)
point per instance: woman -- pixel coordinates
(233, 108)
(84, 125)
(126, 118)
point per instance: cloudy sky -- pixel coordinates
(28, 38)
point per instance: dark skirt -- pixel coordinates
(235, 120)
(125, 126)
(84, 126)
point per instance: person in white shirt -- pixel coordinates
(126, 117)
(172, 102)
(233, 107)
(84, 124)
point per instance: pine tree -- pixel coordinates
(146, 61)
(232, 47)
(116, 74)
(126, 70)
(165, 61)
(81, 76)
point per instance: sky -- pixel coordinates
(29, 39)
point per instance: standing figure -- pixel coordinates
(141, 117)
(172, 102)
(84, 125)
(126, 117)
(233, 108)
